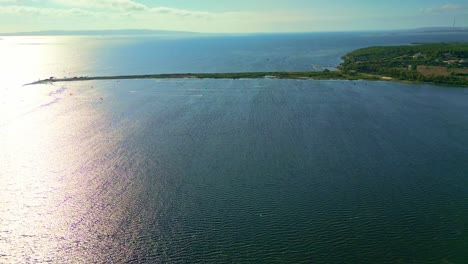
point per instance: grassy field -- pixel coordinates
(433, 70)
(440, 63)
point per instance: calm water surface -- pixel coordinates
(226, 170)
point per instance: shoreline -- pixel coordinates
(312, 75)
(304, 75)
(443, 64)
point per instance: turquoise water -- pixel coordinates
(231, 170)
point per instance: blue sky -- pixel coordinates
(230, 16)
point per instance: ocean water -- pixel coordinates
(221, 171)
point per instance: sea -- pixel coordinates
(226, 171)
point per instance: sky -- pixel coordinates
(230, 16)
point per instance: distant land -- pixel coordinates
(438, 63)
(436, 30)
(435, 63)
(185, 33)
(100, 32)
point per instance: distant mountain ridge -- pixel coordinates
(99, 32)
(437, 29)
(117, 32)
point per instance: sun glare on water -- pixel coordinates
(36, 149)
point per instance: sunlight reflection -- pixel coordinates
(27, 59)
(29, 185)
(41, 153)
(38, 128)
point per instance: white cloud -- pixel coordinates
(446, 8)
(16, 1)
(130, 6)
(29, 10)
(180, 12)
(120, 8)
(117, 5)
(114, 14)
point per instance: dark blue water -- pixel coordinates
(216, 171)
(269, 52)
(291, 171)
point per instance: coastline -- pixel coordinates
(306, 75)
(311, 75)
(443, 64)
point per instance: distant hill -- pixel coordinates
(99, 32)
(187, 33)
(436, 30)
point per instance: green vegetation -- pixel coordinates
(439, 63)
(316, 75)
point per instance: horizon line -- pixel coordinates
(65, 32)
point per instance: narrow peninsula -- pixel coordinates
(435, 63)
